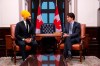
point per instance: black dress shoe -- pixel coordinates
(68, 60)
(69, 57)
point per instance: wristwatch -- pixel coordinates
(23, 39)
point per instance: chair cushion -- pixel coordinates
(27, 47)
(62, 46)
(74, 46)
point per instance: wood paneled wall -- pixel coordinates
(93, 34)
(92, 31)
(3, 31)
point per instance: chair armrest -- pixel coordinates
(13, 38)
(13, 42)
(85, 41)
(60, 42)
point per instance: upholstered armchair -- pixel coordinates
(16, 48)
(79, 46)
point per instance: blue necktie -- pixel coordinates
(70, 28)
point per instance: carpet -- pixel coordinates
(89, 61)
(52, 60)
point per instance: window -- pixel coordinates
(48, 10)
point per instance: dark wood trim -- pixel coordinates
(93, 33)
(29, 5)
(66, 8)
(4, 31)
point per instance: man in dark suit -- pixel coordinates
(25, 34)
(71, 33)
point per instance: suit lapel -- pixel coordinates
(23, 25)
(66, 28)
(73, 27)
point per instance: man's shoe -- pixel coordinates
(70, 57)
(68, 60)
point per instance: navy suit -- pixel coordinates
(20, 33)
(73, 38)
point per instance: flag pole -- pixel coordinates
(39, 2)
(56, 2)
(39, 21)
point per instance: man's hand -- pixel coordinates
(66, 35)
(28, 40)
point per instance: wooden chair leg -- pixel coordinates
(80, 55)
(84, 53)
(64, 60)
(15, 57)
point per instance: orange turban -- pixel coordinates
(25, 14)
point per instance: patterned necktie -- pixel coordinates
(70, 28)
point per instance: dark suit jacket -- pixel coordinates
(76, 31)
(21, 31)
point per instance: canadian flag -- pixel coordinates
(39, 21)
(57, 21)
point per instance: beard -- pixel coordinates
(28, 21)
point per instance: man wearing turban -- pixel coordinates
(24, 33)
